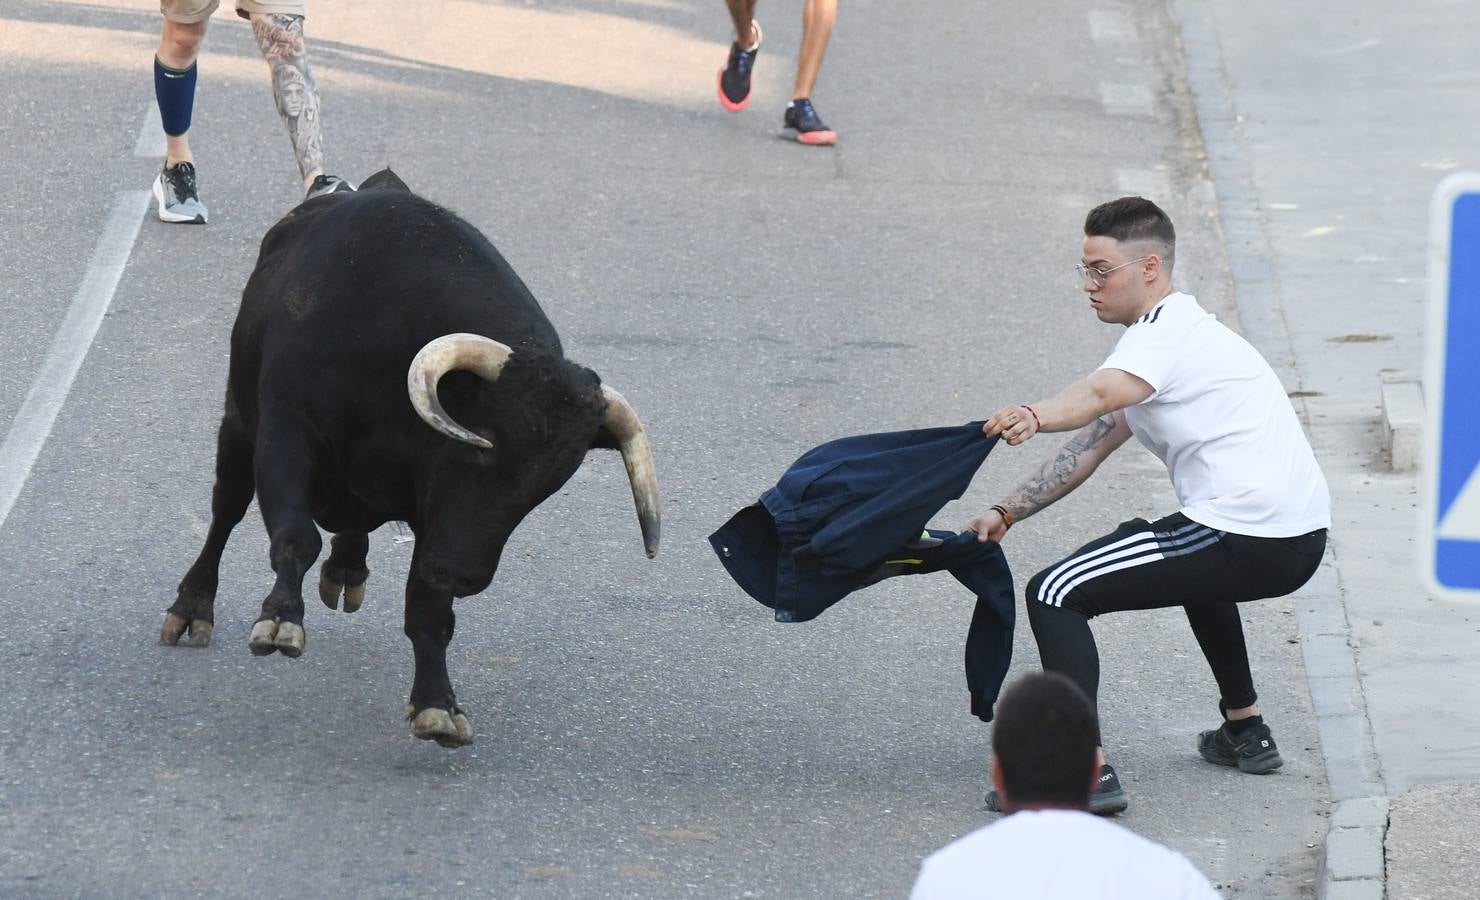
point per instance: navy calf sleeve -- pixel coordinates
(174, 89)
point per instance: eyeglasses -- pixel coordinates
(1097, 276)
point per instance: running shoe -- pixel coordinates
(1108, 797)
(734, 78)
(327, 184)
(1251, 750)
(801, 116)
(176, 197)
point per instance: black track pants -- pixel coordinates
(1170, 562)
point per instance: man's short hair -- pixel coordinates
(1134, 219)
(1044, 740)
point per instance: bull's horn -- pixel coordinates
(474, 353)
(622, 422)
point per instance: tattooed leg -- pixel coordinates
(280, 38)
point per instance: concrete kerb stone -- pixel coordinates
(1364, 812)
(1401, 396)
(1354, 854)
(1329, 658)
(1353, 865)
(1354, 890)
(1334, 696)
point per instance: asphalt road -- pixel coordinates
(644, 729)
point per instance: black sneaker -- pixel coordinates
(802, 117)
(1107, 799)
(175, 196)
(1252, 750)
(327, 184)
(734, 78)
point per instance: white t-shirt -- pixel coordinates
(1055, 854)
(1220, 420)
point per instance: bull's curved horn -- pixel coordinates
(474, 353)
(622, 422)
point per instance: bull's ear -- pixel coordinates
(604, 440)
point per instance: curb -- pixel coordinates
(1402, 419)
(1353, 866)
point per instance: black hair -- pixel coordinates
(1044, 740)
(1131, 219)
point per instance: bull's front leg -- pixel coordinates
(345, 571)
(433, 710)
(283, 478)
(193, 612)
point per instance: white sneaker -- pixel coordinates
(327, 184)
(176, 197)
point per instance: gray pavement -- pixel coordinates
(645, 729)
(1330, 148)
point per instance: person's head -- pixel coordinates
(1044, 745)
(1129, 247)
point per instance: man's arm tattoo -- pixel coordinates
(1058, 476)
(280, 38)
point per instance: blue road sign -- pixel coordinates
(1450, 556)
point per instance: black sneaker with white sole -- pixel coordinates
(176, 198)
(1107, 799)
(327, 184)
(1251, 750)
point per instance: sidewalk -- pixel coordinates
(1325, 137)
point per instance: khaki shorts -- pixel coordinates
(188, 12)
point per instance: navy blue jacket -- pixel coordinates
(854, 511)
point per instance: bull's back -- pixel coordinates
(359, 282)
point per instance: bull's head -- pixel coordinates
(556, 459)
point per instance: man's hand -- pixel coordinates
(988, 527)
(1014, 423)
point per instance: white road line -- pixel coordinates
(32, 425)
(1110, 27)
(151, 135)
(1126, 99)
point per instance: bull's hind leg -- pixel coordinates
(193, 612)
(433, 710)
(344, 572)
(284, 472)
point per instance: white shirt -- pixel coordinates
(1219, 419)
(1052, 854)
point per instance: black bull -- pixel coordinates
(338, 414)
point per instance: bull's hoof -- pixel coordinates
(290, 639)
(329, 591)
(261, 640)
(448, 729)
(197, 632)
(268, 636)
(354, 595)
